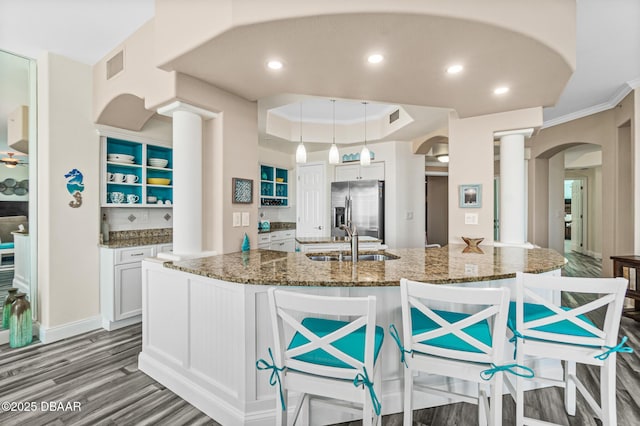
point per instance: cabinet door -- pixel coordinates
(347, 172)
(128, 290)
(373, 171)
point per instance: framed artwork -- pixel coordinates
(242, 191)
(471, 196)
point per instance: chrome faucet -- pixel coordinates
(352, 232)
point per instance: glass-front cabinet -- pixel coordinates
(274, 186)
(136, 174)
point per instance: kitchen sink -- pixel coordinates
(362, 257)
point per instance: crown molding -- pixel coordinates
(614, 100)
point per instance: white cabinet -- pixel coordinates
(283, 240)
(355, 171)
(264, 241)
(121, 283)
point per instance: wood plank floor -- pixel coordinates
(99, 370)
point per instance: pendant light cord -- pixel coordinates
(300, 122)
(365, 123)
(334, 120)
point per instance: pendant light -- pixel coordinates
(365, 155)
(334, 155)
(301, 152)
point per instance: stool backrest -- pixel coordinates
(565, 325)
(288, 311)
(491, 305)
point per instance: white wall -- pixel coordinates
(556, 202)
(68, 237)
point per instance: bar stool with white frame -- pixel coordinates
(544, 330)
(454, 342)
(325, 346)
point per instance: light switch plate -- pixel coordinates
(236, 219)
(471, 218)
(245, 218)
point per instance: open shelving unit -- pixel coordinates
(141, 152)
(274, 186)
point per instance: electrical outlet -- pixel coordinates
(245, 218)
(409, 215)
(471, 218)
(237, 221)
(470, 269)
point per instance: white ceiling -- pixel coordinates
(608, 39)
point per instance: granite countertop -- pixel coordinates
(335, 240)
(449, 264)
(140, 237)
(278, 226)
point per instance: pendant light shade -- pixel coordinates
(334, 155)
(365, 155)
(301, 152)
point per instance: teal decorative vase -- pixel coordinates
(20, 327)
(245, 243)
(6, 310)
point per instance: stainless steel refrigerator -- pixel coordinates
(362, 203)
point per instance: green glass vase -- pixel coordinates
(6, 310)
(20, 326)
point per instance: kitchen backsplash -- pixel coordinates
(277, 214)
(129, 219)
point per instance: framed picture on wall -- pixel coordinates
(471, 196)
(242, 190)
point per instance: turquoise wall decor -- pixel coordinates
(245, 243)
(75, 186)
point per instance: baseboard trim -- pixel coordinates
(59, 332)
(114, 325)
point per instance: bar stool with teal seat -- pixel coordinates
(542, 329)
(464, 340)
(327, 347)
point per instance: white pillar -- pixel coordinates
(513, 190)
(187, 178)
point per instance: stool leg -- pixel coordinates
(378, 388)
(569, 388)
(520, 395)
(495, 416)
(482, 412)
(281, 415)
(408, 395)
(367, 410)
(608, 391)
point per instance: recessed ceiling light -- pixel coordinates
(500, 90)
(274, 65)
(375, 59)
(454, 69)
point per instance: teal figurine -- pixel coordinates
(20, 326)
(6, 309)
(246, 246)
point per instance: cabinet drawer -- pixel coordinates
(264, 238)
(283, 235)
(134, 254)
(165, 248)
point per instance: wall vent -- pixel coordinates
(394, 116)
(115, 65)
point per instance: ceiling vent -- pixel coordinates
(115, 65)
(394, 116)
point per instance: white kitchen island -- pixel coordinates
(206, 321)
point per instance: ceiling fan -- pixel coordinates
(10, 161)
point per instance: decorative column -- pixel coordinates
(187, 179)
(513, 190)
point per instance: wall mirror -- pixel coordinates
(17, 178)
